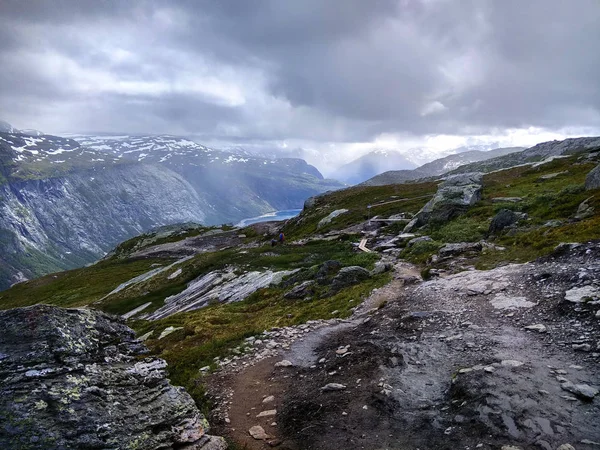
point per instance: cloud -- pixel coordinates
(342, 74)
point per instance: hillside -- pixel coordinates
(480, 322)
(438, 166)
(64, 203)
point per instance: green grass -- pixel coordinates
(77, 287)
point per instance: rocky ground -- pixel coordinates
(480, 359)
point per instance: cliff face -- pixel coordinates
(64, 222)
(75, 378)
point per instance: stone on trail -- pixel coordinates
(566, 447)
(511, 363)
(268, 413)
(583, 391)
(269, 399)
(258, 433)
(502, 301)
(284, 363)
(333, 387)
(581, 294)
(540, 328)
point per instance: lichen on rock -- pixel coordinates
(78, 378)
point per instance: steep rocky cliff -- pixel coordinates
(68, 221)
(76, 378)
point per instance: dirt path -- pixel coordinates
(443, 364)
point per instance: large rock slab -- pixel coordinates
(75, 378)
(222, 286)
(349, 276)
(454, 196)
(592, 181)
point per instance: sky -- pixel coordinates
(329, 80)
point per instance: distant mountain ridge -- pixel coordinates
(371, 164)
(64, 202)
(534, 154)
(438, 166)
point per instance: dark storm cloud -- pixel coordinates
(337, 70)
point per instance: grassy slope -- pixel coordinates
(543, 200)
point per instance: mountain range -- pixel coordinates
(65, 201)
(438, 166)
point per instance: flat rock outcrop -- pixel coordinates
(77, 378)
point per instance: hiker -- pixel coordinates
(273, 242)
(281, 238)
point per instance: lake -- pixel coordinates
(275, 215)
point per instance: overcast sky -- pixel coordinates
(331, 76)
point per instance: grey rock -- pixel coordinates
(333, 387)
(258, 433)
(217, 286)
(566, 447)
(381, 267)
(454, 196)
(540, 328)
(503, 219)
(583, 391)
(75, 378)
(303, 290)
(327, 220)
(584, 210)
(592, 181)
(416, 240)
(326, 270)
(459, 248)
(349, 276)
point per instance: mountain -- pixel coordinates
(537, 153)
(63, 204)
(371, 164)
(438, 166)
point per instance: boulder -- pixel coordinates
(303, 290)
(505, 218)
(327, 269)
(458, 248)
(349, 276)
(584, 210)
(76, 378)
(454, 196)
(381, 267)
(417, 240)
(327, 220)
(592, 181)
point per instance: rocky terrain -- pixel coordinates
(461, 313)
(79, 379)
(481, 359)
